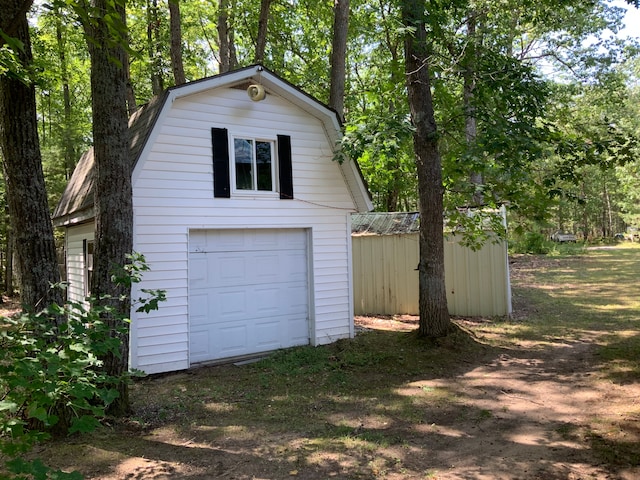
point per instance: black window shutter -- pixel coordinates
(285, 169)
(221, 183)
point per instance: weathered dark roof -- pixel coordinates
(384, 223)
(78, 195)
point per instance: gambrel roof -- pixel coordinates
(76, 204)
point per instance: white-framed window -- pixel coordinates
(246, 165)
(253, 165)
(88, 247)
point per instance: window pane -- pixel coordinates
(263, 165)
(243, 154)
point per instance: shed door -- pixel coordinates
(248, 292)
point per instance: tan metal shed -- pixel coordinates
(385, 280)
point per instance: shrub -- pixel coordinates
(530, 242)
(51, 380)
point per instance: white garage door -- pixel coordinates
(248, 292)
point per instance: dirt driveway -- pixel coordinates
(533, 416)
(537, 399)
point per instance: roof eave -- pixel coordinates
(74, 218)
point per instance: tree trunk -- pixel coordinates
(392, 198)
(10, 247)
(339, 56)
(585, 215)
(263, 22)
(132, 104)
(176, 42)
(223, 36)
(607, 214)
(68, 147)
(113, 202)
(468, 95)
(24, 177)
(434, 316)
(153, 47)
(233, 57)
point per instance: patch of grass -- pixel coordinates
(568, 431)
(615, 451)
(620, 356)
(570, 297)
(294, 390)
(566, 248)
(483, 414)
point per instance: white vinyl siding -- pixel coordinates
(173, 193)
(76, 238)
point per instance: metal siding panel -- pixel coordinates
(385, 280)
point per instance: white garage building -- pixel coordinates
(243, 216)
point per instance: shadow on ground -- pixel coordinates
(534, 398)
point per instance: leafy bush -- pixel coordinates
(51, 380)
(530, 242)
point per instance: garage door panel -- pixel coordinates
(246, 240)
(198, 268)
(199, 342)
(233, 339)
(233, 304)
(248, 292)
(268, 334)
(253, 301)
(267, 267)
(199, 305)
(267, 240)
(250, 268)
(267, 301)
(294, 267)
(227, 269)
(298, 330)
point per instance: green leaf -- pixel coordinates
(37, 470)
(37, 412)
(7, 405)
(79, 347)
(108, 395)
(84, 424)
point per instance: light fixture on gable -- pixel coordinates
(256, 92)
